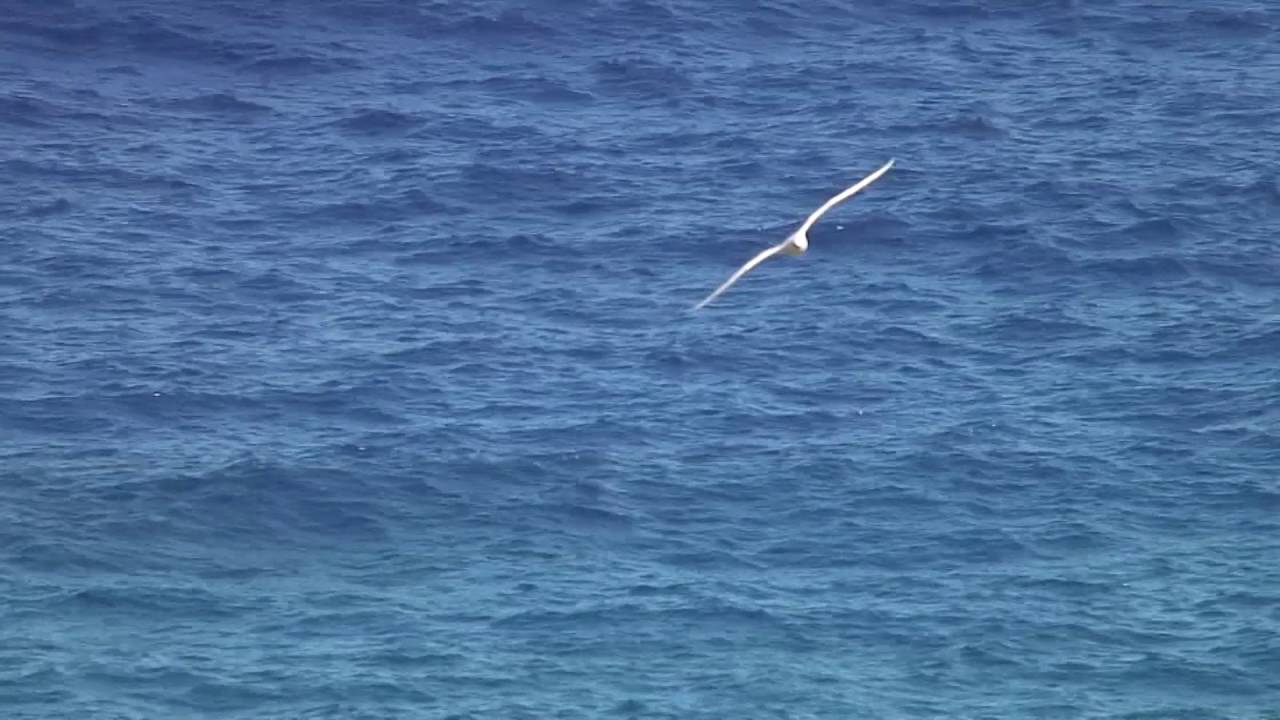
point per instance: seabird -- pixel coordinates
(798, 241)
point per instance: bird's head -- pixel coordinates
(800, 242)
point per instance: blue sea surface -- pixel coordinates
(348, 366)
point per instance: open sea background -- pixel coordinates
(347, 368)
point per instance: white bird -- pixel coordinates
(798, 241)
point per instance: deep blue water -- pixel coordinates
(347, 368)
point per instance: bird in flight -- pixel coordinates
(798, 241)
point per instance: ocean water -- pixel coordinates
(347, 366)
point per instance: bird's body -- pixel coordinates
(797, 242)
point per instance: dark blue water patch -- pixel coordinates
(587, 520)
(708, 561)
(1016, 258)
(65, 31)
(473, 25)
(1258, 341)
(152, 36)
(640, 78)
(144, 33)
(122, 70)
(65, 557)
(409, 205)
(1228, 23)
(507, 185)
(975, 125)
(101, 173)
(54, 415)
(507, 24)
(379, 122)
(536, 88)
(632, 622)
(520, 247)
(252, 499)
(1265, 191)
(1146, 271)
(401, 18)
(225, 105)
(22, 688)
(172, 602)
(51, 208)
(26, 112)
(66, 111)
(639, 17)
(279, 65)
(951, 11)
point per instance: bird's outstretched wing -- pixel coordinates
(764, 255)
(808, 223)
(844, 195)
